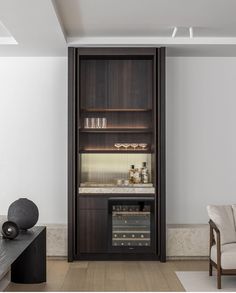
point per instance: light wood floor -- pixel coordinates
(112, 276)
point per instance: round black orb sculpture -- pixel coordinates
(10, 230)
(24, 213)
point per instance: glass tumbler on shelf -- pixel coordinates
(92, 122)
(104, 122)
(98, 122)
(86, 122)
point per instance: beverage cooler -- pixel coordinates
(131, 225)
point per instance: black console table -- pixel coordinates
(25, 255)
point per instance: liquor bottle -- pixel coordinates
(144, 173)
(137, 176)
(131, 174)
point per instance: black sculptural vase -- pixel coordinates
(24, 213)
(10, 230)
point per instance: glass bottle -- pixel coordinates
(131, 174)
(144, 173)
(137, 176)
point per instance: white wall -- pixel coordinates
(33, 134)
(201, 137)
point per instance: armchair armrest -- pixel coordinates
(213, 227)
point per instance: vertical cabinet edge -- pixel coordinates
(71, 151)
(161, 112)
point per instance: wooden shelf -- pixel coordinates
(116, 130)
(114, 151)
(114, 110)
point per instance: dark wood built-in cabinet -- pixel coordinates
(126, 86)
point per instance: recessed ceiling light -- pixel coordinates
(174, 32)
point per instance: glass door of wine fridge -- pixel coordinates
(131, 224)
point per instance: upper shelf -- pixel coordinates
(115, 151)
(116, 130)
(114, 110)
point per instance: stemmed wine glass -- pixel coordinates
(126, 145)
(134, 145)
(143, 145)
(118, 145)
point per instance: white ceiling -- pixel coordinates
(35, 27)
(3, 31)
(47, 27)
(146, 18)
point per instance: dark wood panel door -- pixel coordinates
(96, 202)
(121, 83)
(92, 231)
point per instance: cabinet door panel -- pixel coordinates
(92, 231)
(88, 202)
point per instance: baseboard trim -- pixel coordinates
(187, 258)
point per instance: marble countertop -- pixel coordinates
(117, 189)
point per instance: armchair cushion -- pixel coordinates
(228, 256)
(223, 217)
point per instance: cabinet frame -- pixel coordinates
(159, 154)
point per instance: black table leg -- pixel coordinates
(30, 266)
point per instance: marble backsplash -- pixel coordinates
(183, 241)
(2, 220)
(187, 240)
(56, 238)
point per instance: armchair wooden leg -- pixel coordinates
(218, 278)
(210, 268)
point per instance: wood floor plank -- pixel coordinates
(95, 277)
(153, 276)
(188, 265)
(168, 271)
(79, 264)
(115, 276)
(56, 275)
(133, 277)
(74, 280)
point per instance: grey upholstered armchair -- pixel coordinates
(222, 254)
